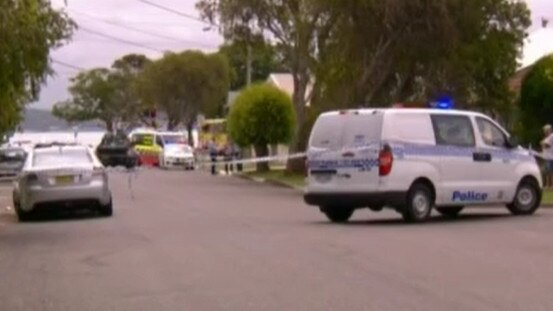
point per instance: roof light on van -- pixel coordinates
(444, 103)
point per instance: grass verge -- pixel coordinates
(279, 176)
(547, 198)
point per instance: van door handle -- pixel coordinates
(482, 157)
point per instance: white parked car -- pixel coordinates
(176, 151)
(415, 160)
(61, 176)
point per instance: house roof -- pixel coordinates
(285, 82)
(537, 45)
(231, 98)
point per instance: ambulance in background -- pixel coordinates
(148, 145)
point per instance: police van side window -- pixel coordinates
(451, 130)
(490, 133)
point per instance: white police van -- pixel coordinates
(415, 160)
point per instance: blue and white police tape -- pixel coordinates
(541, 155)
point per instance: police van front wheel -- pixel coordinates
(337, 214)
(527, 198)
(420, 201)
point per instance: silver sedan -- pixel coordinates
(61, 176)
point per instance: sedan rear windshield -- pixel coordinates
(12, 155)
(115, 140)
(174, 139)
(61, 157)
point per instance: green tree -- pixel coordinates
(300, 29)
(186, 84)
(536, 100)
(124, 75)
(264, 57)
(109, 95)
(29, 29)
(93, 98)
(261, 115)
(464, 49)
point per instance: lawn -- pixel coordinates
(547, 197)
(281, 176)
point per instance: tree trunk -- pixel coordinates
(172, 124)
(189, 129)
(109, 125)
(262, 151)
(298, 144)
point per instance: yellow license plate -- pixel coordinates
(64, 180)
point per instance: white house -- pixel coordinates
(285, 82)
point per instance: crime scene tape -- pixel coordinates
(540, 155)
(299, 155)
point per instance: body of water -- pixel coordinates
(27, 139)
(92, 138)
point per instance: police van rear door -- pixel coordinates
(343, 152)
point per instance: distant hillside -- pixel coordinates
(38, 120)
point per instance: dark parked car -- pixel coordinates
(117, 150)
(11, 161)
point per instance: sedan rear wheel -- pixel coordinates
(22, 215)
(106, 210)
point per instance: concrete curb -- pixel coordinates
(271, 182)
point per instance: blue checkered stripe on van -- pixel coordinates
(362, 164)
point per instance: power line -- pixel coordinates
(137, 30)
(74, 67)
(186, 15)
(101, 34)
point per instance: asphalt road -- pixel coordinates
(190, 241)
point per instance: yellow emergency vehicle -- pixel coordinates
(147, 143)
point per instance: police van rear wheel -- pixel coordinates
(527, 198)
(450, 212)
(419, 203)
(337, 214)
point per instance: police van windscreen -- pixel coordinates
(346, 130)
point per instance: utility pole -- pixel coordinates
(249, 62)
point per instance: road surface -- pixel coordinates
(190, 241)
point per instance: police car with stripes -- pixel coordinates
(416, 160)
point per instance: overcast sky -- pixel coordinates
(138, 27)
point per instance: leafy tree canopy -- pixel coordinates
(29, 29)
(536, 100)
(186, 84)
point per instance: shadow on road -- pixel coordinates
(435, 220)
(64, 215)
(8, 219)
